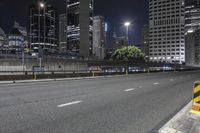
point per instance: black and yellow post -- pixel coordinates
(196, 98)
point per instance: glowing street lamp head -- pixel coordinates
(127, 24)
(42, 5)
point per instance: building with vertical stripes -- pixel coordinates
(79, 27)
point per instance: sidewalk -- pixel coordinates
(185, 121)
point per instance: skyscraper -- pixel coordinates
(42, 28)
(23, 31)
(192, 25)
(2, 39)
(79, 27)
(119, 42)
(15, 41)
(99, 37)
(63, 33)
(145, 40)
(192, 15)
(166, 35)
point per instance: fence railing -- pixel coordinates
(27, 75)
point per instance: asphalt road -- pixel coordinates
(139, 103)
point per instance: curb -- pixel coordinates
(51, 80)
(183, 122)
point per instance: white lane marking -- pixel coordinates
(67, 104)
(171, 80)
(156, 83)
(127, 90)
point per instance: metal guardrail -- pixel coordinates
(29, 75)
(144, 70)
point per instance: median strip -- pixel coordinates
(68, 104)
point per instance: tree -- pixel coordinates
(129, 53)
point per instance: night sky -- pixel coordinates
(114, 11)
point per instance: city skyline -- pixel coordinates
(135, 11)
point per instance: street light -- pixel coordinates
(127, 24)
(41, 6)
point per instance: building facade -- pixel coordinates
(197, 48)
(192, 25)
(167, 31)
(99, 37)
(145, 40)
(15, 42)
(79, 27)
(63, 33)
(23, 31)
(3, 39)
(119, 42)
(42, 28)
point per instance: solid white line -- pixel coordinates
(132, 89)
(156, 83)
(67, 104)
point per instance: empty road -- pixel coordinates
(139, 103)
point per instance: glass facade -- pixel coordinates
(192, 15)
(42, 27)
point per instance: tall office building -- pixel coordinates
(23, 31)
(192, 24)
(79, 27)
(2, 39)
(42, 28)
(15, 42)
(63, 33)
(99, 37)
(145, 40)
(119, 42)
(192, 15)
(167, 30)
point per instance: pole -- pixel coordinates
(40, 64)
(23, 57)
(39, 27)
(127, 28)
(44, 28)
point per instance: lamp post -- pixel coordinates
(127, 24)
(41, 6)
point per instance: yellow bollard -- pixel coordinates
(35, 76)
(93, 74)
(196, 98)
(126, 72)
